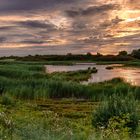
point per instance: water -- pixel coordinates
(65, 68)
(129, 74)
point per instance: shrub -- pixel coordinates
(123, 53)
(136, 54)
(117, 128)
(116, 107)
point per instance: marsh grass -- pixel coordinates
(42, 116)
(75, 76)
(29, 81)
(7, 100)
(43, 120)
(38, 123)
(121, 110)
(137, 93)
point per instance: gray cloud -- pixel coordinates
(62, 26)
(22, 5)
(33, 41)
(2, 39)
(4, 28)
(92, 10)
(99, 9)
(37, 24)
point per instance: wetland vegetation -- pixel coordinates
(36, 105)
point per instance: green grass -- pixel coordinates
(51, 119)
(53, 106)
(134, 63)
(75, 76)
(41, 120)
(117, 106)
(29, 81)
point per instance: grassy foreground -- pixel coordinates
(51, 120)
(56, 120)
(39, 106)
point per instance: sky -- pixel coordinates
(68, 26)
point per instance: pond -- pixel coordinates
(129, 74)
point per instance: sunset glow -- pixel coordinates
(79, 26)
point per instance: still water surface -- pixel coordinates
(129, 74)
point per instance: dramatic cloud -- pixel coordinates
(92, 10)
(20, 5)
(2, 39)
(63, 26)
(37, 24)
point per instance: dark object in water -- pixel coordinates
(109, 68)
(94, 70)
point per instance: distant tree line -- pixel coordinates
(121, 56)
(136, 54)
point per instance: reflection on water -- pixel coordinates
(129, 74)
(64, 68)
